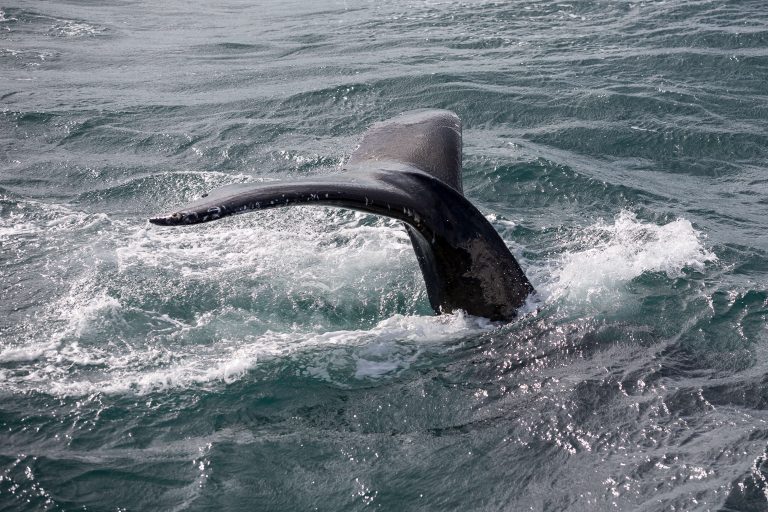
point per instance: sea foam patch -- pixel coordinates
(296, 244)
(613, 254)
(71, 368)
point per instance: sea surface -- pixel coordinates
(289, 360)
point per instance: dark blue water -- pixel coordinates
(289, 360)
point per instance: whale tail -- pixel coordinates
(407, 168)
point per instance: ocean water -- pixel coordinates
(289, 360)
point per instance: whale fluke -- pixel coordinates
(407, 168)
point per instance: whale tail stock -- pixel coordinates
(407, 168)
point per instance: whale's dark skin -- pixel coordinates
(407, 168)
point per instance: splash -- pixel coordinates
(623, 251)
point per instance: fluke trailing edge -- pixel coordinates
(408, 168)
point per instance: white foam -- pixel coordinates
(77, 312)
(66, 368)
(16, 224)
(33, 217)
(24, 353)
(294, 243)
(501, 221)
(28, 56)
(72, 28)
(624, 250)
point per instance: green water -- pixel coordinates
(289, 360)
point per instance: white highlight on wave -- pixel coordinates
(624, 250)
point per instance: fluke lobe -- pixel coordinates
(407, 168)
